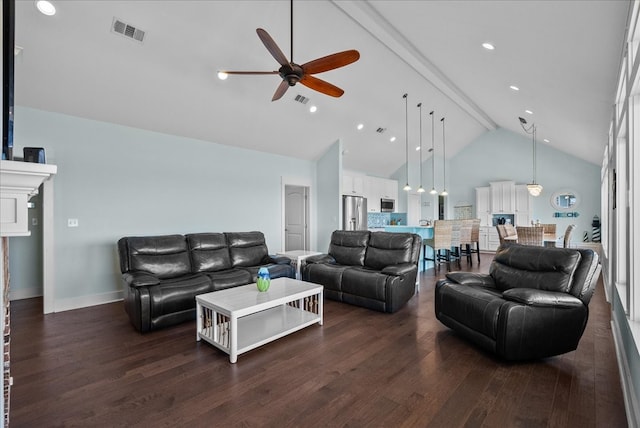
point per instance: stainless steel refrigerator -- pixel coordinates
(354, 213)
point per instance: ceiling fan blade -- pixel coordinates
(282, 88)
(248, 72)
(331, 62)
(321, 86)
(272, 47)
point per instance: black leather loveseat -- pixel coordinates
(532, 304)
(376, 270)
(163, 274)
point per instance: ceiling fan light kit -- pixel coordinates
(292, 73)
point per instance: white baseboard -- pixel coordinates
(24, 293)
(628, 392)
(79, 302)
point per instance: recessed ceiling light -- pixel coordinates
(417, 148)
(488, 46)
(313, 109)
(360, 126)
(392, 139)
(528, 111)
(514, 88)
(45, 7)
(546, 140)
(222, 75)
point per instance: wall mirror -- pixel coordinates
(565, 200)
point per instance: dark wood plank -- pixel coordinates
(88, 367)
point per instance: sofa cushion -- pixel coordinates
(348, 247)
(177, 294)
(523, 266)
(164, 256)
(365, 283)
(209, 252)
(386, 248)
(247, 248)
(228, 278)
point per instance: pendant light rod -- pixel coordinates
(534, 188)
(444, 163)
(433, 155)
(406, 138)
(420, 188)
(291, 9)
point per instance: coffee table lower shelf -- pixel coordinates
(257, 329)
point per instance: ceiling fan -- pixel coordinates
(292, 73)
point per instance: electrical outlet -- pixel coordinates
(72, 222)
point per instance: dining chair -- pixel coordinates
(441, 242)
(567, 235)
(530, 235)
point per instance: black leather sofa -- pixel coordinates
(375, 270)
(532, 304)
(163, 274)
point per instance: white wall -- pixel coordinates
(120, 181)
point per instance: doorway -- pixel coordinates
(296, 218)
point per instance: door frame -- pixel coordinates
(300, 182)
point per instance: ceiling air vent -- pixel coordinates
(381, 130)
(301, 99)
(126, 30)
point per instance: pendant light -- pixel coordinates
(420, 189)
(534, 188)
(444, 163)
(406, 138)
(433, 156)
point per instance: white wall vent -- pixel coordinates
(302, 99)
(126, 30)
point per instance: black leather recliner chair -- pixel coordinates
(375, 270)
(532, 304)
(163, 274)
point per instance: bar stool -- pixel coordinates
(455, 240)
(441, 241)
(475, 238)
(530, 235)
(465, 239)
(567, 235)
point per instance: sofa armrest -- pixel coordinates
(399, 269)
(542, 298)
(140, 279)
(279, 260)
(468, 278)
(320, 258)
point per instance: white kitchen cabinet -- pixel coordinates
(523, 212)
(483, 238)
(493, 240)
(503, 194)
(483, 205)
(380, 188)
(353, 184)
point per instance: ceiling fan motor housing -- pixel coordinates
(292, 73)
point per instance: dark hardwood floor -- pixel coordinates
(89, 367)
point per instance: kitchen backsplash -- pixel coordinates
(386, 219)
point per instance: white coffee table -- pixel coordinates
(238, 319)
(297, 256)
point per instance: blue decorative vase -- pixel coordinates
(264, 280)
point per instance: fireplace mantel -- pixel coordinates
(19, 181)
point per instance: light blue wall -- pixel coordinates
(119, 181)
(329, 168)
(505, 155)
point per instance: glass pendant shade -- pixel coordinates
(534, 189)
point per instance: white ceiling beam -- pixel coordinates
(370, 20)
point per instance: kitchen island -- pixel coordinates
(424, 232)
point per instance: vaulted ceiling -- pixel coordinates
(563, 56)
